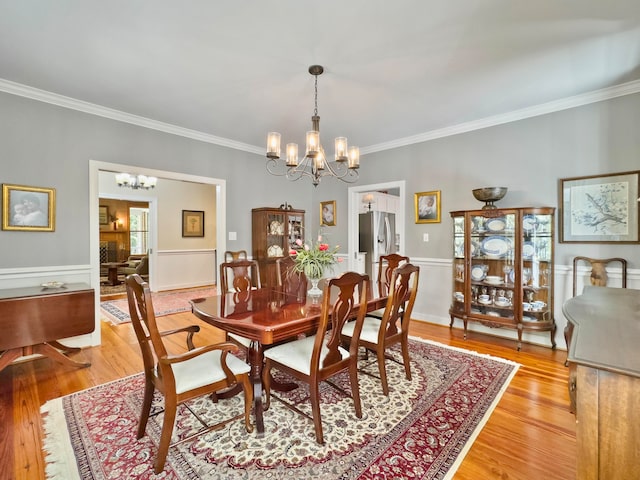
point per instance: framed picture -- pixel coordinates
(103, 214)
(328, 213)
(192, 223)
(427, 206)
(600, 208)
(28, 208)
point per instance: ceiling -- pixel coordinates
(394, 71)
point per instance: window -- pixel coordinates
(139, 230)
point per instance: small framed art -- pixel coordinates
(328, 213)
(30, 209)
(192, 223)
(427, 207)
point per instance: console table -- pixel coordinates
(33, 319)
(604, 346)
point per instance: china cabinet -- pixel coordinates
(274, 234)
(503, 269)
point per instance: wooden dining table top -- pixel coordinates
(266, 315)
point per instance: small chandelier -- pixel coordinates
(135, 181)
(314, 164)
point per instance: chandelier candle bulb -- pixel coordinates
(313, 140)
(273, 145)
(341, 149)
(292, 154)
(354, 157)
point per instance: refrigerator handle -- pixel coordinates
(387, 234)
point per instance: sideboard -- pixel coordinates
(604, 347)
(33, 319)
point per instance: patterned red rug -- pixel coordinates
(164, 303)
(421, 431)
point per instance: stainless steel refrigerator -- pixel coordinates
(377, 232)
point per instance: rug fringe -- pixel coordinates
(62, 465)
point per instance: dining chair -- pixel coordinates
(291, 282)
(181, 377)
(234, 256)
(316, 358)
(599, 278)
(386, 265)
(378, 335)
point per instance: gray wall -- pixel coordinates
(528, 156)
(49, 146)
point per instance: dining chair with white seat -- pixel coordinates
(316, 358)
(377, 335)
(184, 376)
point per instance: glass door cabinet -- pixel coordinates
(503, 269)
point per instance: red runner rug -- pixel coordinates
(164, 303)
(422, 430)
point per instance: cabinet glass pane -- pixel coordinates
(457, 303)
(492, 269)
(537, 278)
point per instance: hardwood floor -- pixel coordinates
(530, 435)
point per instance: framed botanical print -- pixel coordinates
(427, 207)
(192, 223)
(30, 209)
(600, 208)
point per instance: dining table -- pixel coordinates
(265, 316)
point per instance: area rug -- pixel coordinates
(164, 303)
(422, 430)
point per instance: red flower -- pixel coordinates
(323, 246)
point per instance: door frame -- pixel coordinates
(95, 167)
(353, 212)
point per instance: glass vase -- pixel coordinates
(314, 292)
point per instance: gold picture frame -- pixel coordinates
(328, 213)
(28, 209)
(600, 208)
(192, 223)
(427, 207)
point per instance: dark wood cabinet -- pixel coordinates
(274, 233)
(503, 269)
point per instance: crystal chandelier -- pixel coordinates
(314, 164)
(135, 181)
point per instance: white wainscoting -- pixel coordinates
(177, 269)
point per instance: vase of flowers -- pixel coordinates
(313, 260)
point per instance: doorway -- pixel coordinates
(95, 168)
(354, 209)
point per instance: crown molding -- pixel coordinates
(529, 112)
(93, 109)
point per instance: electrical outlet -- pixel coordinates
(233, 235)
(425, 237)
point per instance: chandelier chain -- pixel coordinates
(315, 110)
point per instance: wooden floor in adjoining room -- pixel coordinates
(530, 435)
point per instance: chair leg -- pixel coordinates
(165, 438)
(405, 357)
(266, 384)
(355, 387)
(314, 388)
(146, 407)
(382, 368)
(248, 401)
